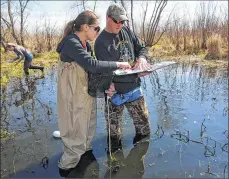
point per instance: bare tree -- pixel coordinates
(144, 20)
(5, 28)
(23, 17)
(39, 39)
(14, 12)
(94, 5)
(150, 34)
(177, 32)
(49, 34)
(124, 6)
(83, 1)
(131, 12)
(206, 16)
(81, 5)
(77, 5)
(184, 33)
(224, 23)
(203, 25)
(12, 22)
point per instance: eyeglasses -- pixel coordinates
(121, 22)
(97, 29)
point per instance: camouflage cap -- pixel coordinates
(117, 12)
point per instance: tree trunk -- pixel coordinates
(12, 22)
(123, 4)
(132, 19)
(22, 26)
(94, 5)
(185, 43)
(84, 5)
(143, 23)
(203, 44)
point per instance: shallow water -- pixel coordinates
(188, 106)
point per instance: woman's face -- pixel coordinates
(93, 31)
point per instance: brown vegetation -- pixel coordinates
(206, 34)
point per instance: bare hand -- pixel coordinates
(123, 65)
(142, 64)
(111, 91)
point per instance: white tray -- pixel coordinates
(156, 66)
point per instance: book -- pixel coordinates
(155, 66)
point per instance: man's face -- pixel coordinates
(115, 25)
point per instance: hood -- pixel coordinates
(60, 45)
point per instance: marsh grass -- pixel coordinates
(217, 48)
(214, 45)
(5, 135)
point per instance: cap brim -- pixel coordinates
(120, 18)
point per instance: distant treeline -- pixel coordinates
(206, 32)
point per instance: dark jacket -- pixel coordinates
(123, 46)
(100, 73)
(71, 49)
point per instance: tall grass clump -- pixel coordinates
(214, 48)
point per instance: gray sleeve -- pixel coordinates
(74, 50)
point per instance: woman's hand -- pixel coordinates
(123, 65)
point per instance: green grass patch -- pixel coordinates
(202, 54)
(156, 46)
(5, 135)
(2, 50)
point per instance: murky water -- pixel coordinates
(188, 107)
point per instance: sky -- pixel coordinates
(59, 12)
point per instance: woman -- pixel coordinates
(23, 54)
(76, 115)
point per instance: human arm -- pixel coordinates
(74, 50)
(20, 56)
(102, 54)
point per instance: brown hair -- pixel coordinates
(85, 17)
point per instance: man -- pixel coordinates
(23, 54)
(118, 43)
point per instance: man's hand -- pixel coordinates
(111, 91)
(142, 64)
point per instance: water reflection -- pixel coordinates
(88, 167)
(24, 114)
(131, 166)
(188, 106)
